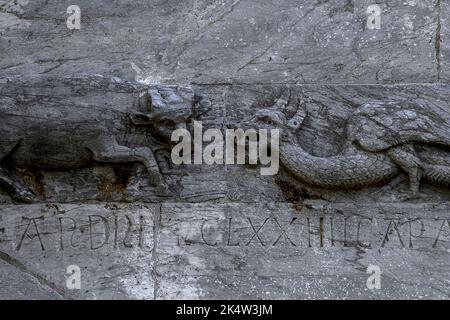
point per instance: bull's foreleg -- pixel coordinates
(15, 188)
(115, 153)
(9, 181)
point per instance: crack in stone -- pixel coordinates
(254, 58)
(20, 266)
(199, 34)
(437, 43)
(156, 230)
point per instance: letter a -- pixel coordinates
(74, 20)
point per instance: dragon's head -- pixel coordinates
(276, 117)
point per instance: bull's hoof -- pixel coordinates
(24, 196)
(156, 179)
(163, 191)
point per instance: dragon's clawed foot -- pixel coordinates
(408, 196)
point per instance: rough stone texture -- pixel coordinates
(324, 133)
(444, 44)
(89, 106)
(111, 243)
(276, 251)
(187, 262)
(318, 250)
(234, 41)
(202, 240)
(20, 285)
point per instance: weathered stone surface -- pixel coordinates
(443, 46)
(324, 133)
(224, 41)
(76, 114)
(271, 250)
(112, 244)
(94, 107)
(16, 284)
(275, 251)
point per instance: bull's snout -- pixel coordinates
(181, 126)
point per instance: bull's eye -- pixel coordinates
(167, 123)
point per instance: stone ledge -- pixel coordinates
(277, 251)
(112, 244)
(224, 251)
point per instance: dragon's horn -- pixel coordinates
(296, 121)
(283, 100)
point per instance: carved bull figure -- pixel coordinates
(54, 133)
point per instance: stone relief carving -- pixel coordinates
(69, 137)
(382, 140)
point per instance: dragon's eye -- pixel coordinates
(267, 120)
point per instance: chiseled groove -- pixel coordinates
(437, 42)
(20, 266)
(156, 230)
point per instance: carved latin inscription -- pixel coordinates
(78, 229)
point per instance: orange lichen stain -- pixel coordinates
(33, 180)
(105, 187)
(109, 187)
(292, 195)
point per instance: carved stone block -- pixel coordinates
(278, 251)
(87, 180)
(112, 244)
(226, 41)
(393, 129)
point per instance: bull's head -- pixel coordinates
(167, 108)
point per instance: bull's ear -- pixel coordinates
(140, 119)
(201, 107)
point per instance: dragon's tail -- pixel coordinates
(437, 174)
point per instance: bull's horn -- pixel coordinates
(157, 100)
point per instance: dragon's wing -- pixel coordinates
(377, 127)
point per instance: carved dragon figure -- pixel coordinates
(383, 139)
